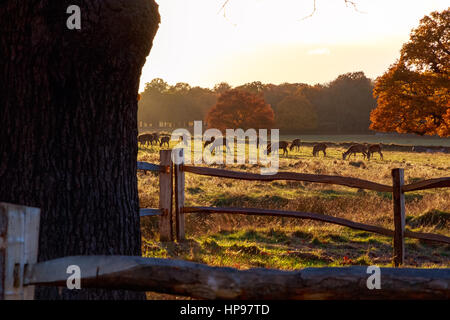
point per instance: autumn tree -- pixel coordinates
(221, 87)
(68, 125)
(295, 113)
(414, 94)
(240, 109)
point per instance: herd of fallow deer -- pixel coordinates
(366, 150)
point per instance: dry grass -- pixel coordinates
(287, 243)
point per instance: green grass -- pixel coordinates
(286, 243)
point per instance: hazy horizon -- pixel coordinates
(269, 41)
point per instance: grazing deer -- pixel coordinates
(280, 145)
(354, 149)
(319, 147)
(296, 144)
(145, 139)
(216, 143)
(372, 149)
(165, 140)
(155, 138)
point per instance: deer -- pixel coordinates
(319, 147)
(215, 143)
(165, 140)
(155, 138)
(185, 139)
(354, 149)
(281, 145)
(145, 139)
(295, 144)
(372, 149)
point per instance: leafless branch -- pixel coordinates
(347, 4)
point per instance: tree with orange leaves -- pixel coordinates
(240, 109)
(413, 96)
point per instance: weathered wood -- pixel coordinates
(427, 184)
(19, 235)
(399, 216)
(165, 196)
(179, 195)
(292, 214)
(338, 180)
(427, 236)
(149, 166)
(205, 282)
(144, 212)
(317, 217)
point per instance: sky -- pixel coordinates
(272, 41)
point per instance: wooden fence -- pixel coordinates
(397, 189)
(19, 271)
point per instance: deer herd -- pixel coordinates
(366, 150)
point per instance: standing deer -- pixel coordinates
(165, 140)
(216, 143)
(295, 144)
(185, 139)
(145, 139)
(155, 138)
(354, 149)
(372, 149)
(280, 145)
(319, 147)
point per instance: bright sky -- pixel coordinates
(269, 41)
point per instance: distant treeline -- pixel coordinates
(340, 106)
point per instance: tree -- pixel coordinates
(221, 87)
(240, 109)
(350, 102)
(295, 113)
(68, 114)
(414, 94)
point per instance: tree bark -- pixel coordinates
(68, 133)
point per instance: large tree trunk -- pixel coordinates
(68, 124)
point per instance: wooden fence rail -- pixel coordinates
(397, 189)
(205, 282)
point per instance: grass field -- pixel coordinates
(404, 139)
(286, 243)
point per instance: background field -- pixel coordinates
(286, 243)
(404, 139)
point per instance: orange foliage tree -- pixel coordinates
(240, 109)
(413, 96)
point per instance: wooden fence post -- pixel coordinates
(19, 236)
(165, 196)
(179, 194)
(399, 216)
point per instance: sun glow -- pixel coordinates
(272, 41)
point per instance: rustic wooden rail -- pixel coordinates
(205, 282)
(397, 189)
(165, 171)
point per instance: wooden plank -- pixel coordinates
(338, 180)
(145, 212)
(292, 214)
(399, 216)
(148, 166)
(427, 236)
(165, 196)
(19, 235)
(317, 217)
(428, 184)
(205, 282)
(179, 196)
